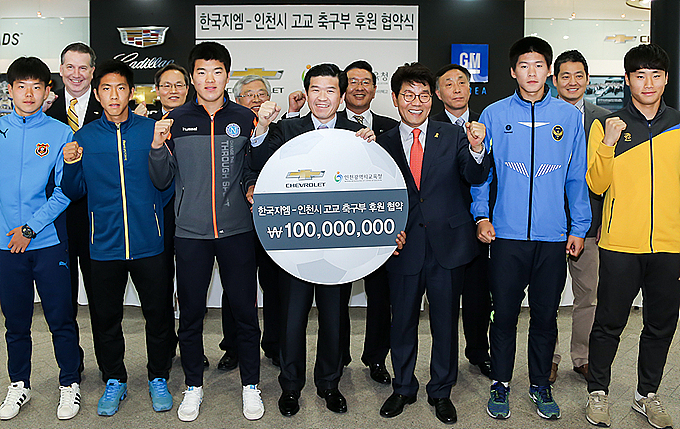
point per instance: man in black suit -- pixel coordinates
(453, 89)
(76, 106)
(361, 86)
(325, 87)
(434, 158)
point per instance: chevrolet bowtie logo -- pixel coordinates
(304, 174)
(619, 38)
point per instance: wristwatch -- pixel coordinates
(27, 232)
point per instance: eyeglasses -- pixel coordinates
(178, 86)
(424, 97)
(363, 82)
(262, 95)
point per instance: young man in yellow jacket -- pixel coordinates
(634, 160)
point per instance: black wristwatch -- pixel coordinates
(27, 232)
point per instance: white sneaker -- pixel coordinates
(189, 408)
(69, 401)
(253, 408)
(17, 395)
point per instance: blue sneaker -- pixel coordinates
(545, 404)
(160, 397)
(498, 406)
(114, 393)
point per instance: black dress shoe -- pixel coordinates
(485, 368)
(206, 362)
(288, 402)
(379, 373)
(227, 362)
(394, 405)
(334, 400)
(443, 409)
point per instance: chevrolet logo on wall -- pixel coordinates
(142, 37)
(619, 38)
(304, 174)
(267, 74)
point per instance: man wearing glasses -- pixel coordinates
(435, 158)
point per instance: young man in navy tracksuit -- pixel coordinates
(31, 247)
(108, 162)
(539, 168)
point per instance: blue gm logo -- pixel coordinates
(475, 58)
(338, 177)
(233, 130)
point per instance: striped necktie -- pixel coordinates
(416, 158)
(72, 116)
(460, 122)
(359, 119)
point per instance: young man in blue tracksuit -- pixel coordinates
(31, 247)
(540, 160)
(108, 162)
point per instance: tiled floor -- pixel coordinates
(222, 404)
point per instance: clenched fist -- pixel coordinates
(72, 152)
(161, 133)
(475, 134)
(612, 130)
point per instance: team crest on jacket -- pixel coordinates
(557, 132)
(42, 149)
(233, 130)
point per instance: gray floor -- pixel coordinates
(222, 403)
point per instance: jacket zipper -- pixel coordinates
(531, 171)
(122, 190)
(21, 170)
(155, 215)
(651, 205)
(92, 227)
(212, 169)
(611, 215)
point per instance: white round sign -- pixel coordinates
(329, 205)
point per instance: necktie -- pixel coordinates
(359, 119)
(71, 115)
(322, 127)
(416, 158)
(460, 122)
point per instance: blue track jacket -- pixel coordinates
(125, 209)
(31, 153)
(539, 159)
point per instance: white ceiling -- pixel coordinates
(584, 9)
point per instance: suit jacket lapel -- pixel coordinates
(393, 137)
(432, 147)
(307, 123)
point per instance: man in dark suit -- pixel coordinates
(325, 87)
(571, 79)
(361, 86)
(434, 158)
(76, 106)
(453, 89)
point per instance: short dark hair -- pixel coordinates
(413, 72)
(442, 71)
(29, 68)
(362, 65)
(650, 56)
(171, 66)
(209, 51)
(572, 56)
(329, 70)
(81, 48)
(115, 67)
(527, 45)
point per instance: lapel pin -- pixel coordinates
(436, 135)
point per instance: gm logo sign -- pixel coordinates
(475, 58)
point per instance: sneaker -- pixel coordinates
(69, 401)
(253, 408)
(188, 409)
(160, 397)
(597, 409)
(498, 406)
(654, 410)
(17, 395)
(114, 393)
(545, 404)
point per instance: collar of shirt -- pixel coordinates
(581, 106)
(367, 115)
(81, 105)
(454, 118)
(329, 124)
(406, 134)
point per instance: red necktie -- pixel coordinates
(416, 159)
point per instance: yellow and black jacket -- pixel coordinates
(640, 180)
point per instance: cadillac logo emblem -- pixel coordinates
(142, 37)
